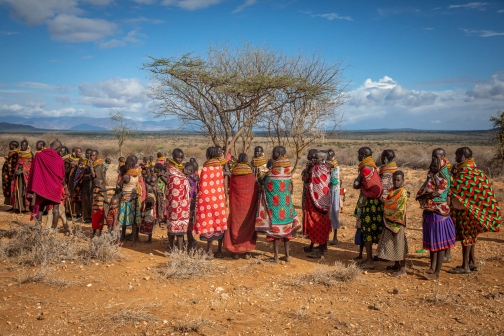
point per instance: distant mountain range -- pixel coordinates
(15, 127)
(89, 124)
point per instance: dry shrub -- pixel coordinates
(36, 246)
(39, 275)
(185, 265)
(130, 316)
(101, 248)
(33, 245)
(329, 275)
(189, 324)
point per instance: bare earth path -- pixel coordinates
(257, 297)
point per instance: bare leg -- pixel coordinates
(433, 261)
(219, 248)
(439, 256)
(447, 255)
(123, 233)
(209, 249)
(335, 236)
(56, 216)
(287, 250)
(275, 248)
(180, 242)
(49, 219)
(369, 254)
(466, 252)
(170, 241)
(472, 258)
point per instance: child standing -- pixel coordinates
(112, 216)
(393, 244)
(99, 199)
(148, 218)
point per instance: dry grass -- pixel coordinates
(191, 324)
(182, 265)
(329, 275)
(39, 275)
(33, 245)
(101, 248)
(133, 316)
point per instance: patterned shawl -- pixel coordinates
(371, 185)
(178, 201)
(395, 209)
(25, 154)
(390, 168)
(211, 219)
(319, 186)
(472, 188)
(433, 194)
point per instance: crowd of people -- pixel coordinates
(232, 200)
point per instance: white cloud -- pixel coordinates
(492, 89)
(191, 4)
(385, 103)
(114, 92)
(481, 33)
(36, 85)
(31, 109)
(428, 28)
(144, 2)
(132, 37)
(71, 28)
(246, 4)
(142, 19)
(471, 5)
(38, 11)
(329, 16)
(500, 11)
(114, 43)
(99, 2)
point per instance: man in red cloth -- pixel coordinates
(47, 181)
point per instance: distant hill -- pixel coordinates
(11, 127)
(87, 127)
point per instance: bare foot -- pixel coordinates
(400, 273)
(358, 257)
(430, 271)
(432, 276)
(368, 266)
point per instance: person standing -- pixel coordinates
(276, 216)
(240, 237)
(211, 219)
(46, 181)
(370, 208)
(437, 226)
(87, 188)
(336, 198)
(317, 224)
(8, 172)
(474, 207)
(20, 201)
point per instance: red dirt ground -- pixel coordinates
(256, 297)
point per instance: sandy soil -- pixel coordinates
(257, 297)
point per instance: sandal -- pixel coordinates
(393, 268)
(236, 256)
(308, 248)
(472, 267)
(219, 255)
(334, 242)
(458, 271)
(315, 255)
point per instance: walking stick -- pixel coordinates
(18, 193)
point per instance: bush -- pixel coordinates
(329, 276)
(182, 265)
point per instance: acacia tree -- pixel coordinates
(121, 131)
(226, 93)
(310, 114)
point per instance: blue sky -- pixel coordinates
(418, 64)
